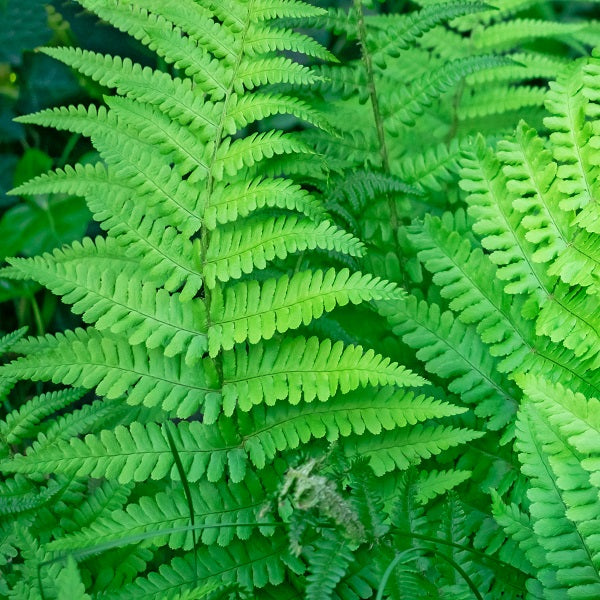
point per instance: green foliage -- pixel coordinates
(336, 346)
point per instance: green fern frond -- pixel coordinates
(304, 369)
(526, 66)
(238, 250)
(560, 507)
(411, 102)
(431, 484)
(328, 562)
(251, 564)
(21, 423)
(285, 9)
(102, 502)
(519, 527)
(252, 311)
(166, 40)
(407, 447)
(358, 189)
(88, 419)
(240, 199)
(451, 350)
(431, 167)
(16, 500)
(68, 582)
(501, 226)
(494, 100)
(10, 339)
(269, 430)
(121, 303)
(532, 185)
(174, 96)
(516, 32)
(108, 363)
(214, 504)
(408, 28)
(575, 416)
(570, 140)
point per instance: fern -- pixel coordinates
(199, 300)
(265, 405)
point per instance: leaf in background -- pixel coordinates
(44, 83)
(42, 222)
(27, 28)
(35, 227)
(34, 162)
(8, 162)
(9, 130)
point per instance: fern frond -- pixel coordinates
(235, 155)
(224, 503)
(16, 497)
(409, 27)
(526, 66)
(252, 564)
(514, 33)
(575, 416)
(328, 562)
(10, 339)
(284, 9)
(21, 423)
(493, 100)
(102, 502)
(501, 227)
(411, 102)
(431, 167)
(531, 183)
(252, 311)
(305, 369)
(451, 350)
(268, 430)
(238, 250)
(570, 140)
(560, 507)
(174, 96)
(405, 447)
(431, 484)
(468, 279)
(239, 199)
(357, 189)
(108, 363)
(138, 452)
(166, 40)
(88, 419)
(122, 303)
(68, 582)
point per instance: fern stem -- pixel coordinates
(84, 553)
(366, 57)
(37, 316)
(378, 118)
(426, 538)
(186, 491)
(210, 181)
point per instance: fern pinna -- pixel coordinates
(197, 304)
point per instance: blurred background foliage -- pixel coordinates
(31, 81)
